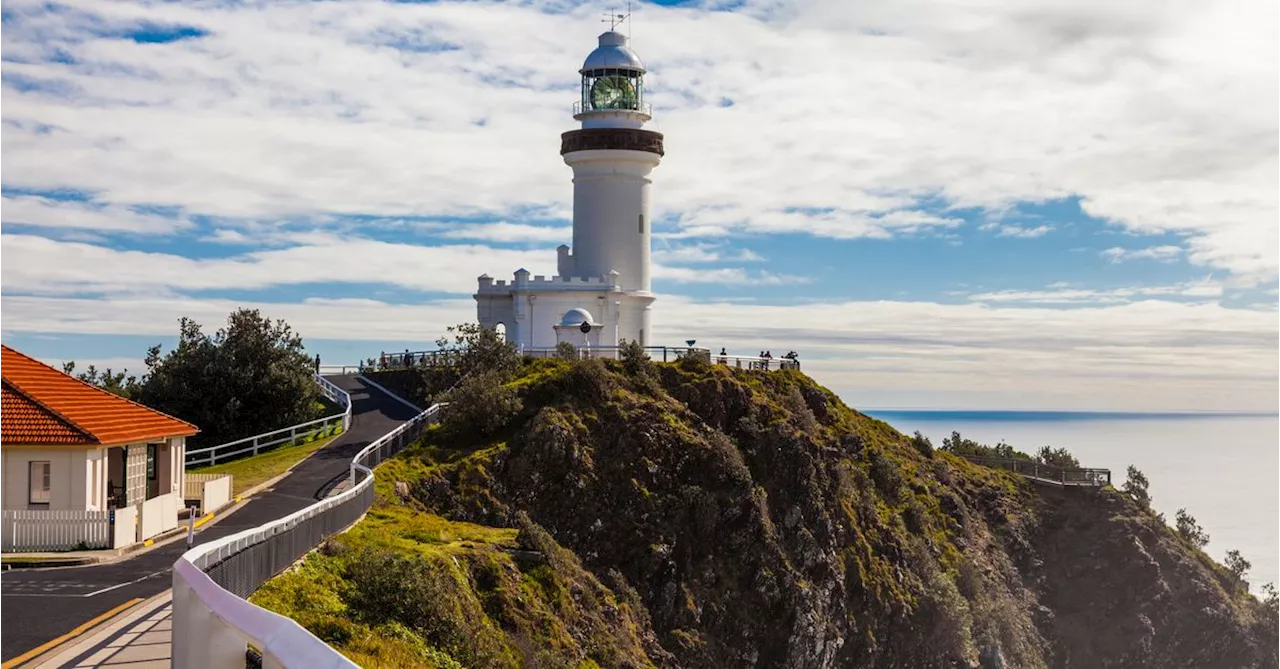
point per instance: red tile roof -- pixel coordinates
(40, 405)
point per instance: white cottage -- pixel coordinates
(83, 467)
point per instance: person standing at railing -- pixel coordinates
(317, 363)
(724, 359)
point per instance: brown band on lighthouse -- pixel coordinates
(629, 139)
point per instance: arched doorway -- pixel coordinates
(501, 330)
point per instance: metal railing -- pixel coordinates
(213, 625)
(407, 359)
(248, 446)
(641, 106)
(342, 369)
(1075, 476)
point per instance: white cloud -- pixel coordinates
(725, 276)
(1144, 355)
(703, 253)
(846, 121)
(46, 267)
(228, 236)
(504, 232)
(43, 212)
(1023, 233)
(1165, 253)
(1059, 293)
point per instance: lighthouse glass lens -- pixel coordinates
(613, 92)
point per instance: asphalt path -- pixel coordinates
(37, 605)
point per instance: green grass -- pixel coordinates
(251, 471)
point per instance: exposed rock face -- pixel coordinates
(763, 523)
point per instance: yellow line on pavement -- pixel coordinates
(84, 627)
(205, 518)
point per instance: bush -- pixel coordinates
(634, 359)
(1057, 457)
(1190, 530)
(479, 407)
(694, 361)
(470, 350)
(886, 475)
(1135, 486)
(1237, 565)
(922, 444)
(588, 379)
(961, 446)
(566, 351)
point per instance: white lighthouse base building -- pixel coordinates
(601, 295)
(539, 312)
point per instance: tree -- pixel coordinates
(961, 446)
(566, 351)
(252, 376)
(473, 349)
(922, 444)
(119, 383)
(634, 359)
(1190, 530)
(469, 349)
(479, 407)
(1057, 457)
(1237, 565)
(1135, 486)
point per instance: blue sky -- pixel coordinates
(963, 205)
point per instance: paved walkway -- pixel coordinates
(44, 604)
(139, 639)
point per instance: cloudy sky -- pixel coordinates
(1052, 204)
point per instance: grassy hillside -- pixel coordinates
(699, 516)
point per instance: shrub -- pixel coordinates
(1190, 530)
(479, 407)
(1135, 486)
(886, 475)
(1057, 457)
(922, 444)
(588, 379)
(1237, 565)
(961, 446)
(566, 351)
(634, 359)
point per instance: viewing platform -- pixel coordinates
(1047, 474)
(408, 359)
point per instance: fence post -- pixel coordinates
(293, 435)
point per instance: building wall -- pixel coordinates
(178, 453)
(532, 323)
(610, 197)
(71, 478)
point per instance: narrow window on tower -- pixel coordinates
(642, 224)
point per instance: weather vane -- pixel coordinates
(614, 20)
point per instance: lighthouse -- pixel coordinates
(601, 294)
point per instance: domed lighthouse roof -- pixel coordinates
(575, 317)
(614, 54)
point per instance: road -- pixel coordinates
(37, 605)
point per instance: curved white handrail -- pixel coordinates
(211, 625)
(333, 392)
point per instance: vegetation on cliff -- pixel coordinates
(629, 513)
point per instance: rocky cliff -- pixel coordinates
(697, 516)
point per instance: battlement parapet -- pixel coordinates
(487, 285)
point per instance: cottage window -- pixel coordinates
(39, 473)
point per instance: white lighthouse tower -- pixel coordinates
(601, 294)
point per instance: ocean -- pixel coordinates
(1221, 467)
